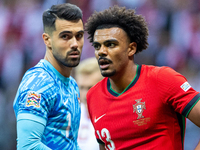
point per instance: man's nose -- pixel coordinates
(74, 43)
(102, 51)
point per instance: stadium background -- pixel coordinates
(174, 41)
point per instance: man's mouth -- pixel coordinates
(74, 54)
(104, 63)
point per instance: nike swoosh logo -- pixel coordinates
(97, 119)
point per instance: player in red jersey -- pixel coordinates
(135, 107)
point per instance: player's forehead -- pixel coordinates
(70, 26)
(102, 35)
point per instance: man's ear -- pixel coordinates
(132, 49)
(47, 40)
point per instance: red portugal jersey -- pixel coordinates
(148, 115)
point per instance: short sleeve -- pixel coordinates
(35, 96)
(176, 91)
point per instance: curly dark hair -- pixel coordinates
(65, 11)
(134, 25)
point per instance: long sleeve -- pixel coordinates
(29, 134)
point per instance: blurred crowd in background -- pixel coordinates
(174, 41)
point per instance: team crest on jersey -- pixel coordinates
(139, 108)
(33, 99)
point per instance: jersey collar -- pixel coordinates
(111, 91)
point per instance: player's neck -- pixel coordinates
(121, 82)
(65, 71)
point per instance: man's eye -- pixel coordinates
(79, 36)
(111, 45)
(96, 46)
(65, 36)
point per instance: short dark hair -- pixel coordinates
(65, 11)
(134, 25)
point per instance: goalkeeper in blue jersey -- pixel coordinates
(47, 105)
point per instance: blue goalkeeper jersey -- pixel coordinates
(44, 92)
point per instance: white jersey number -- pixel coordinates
(105, 134)
(69, 124)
